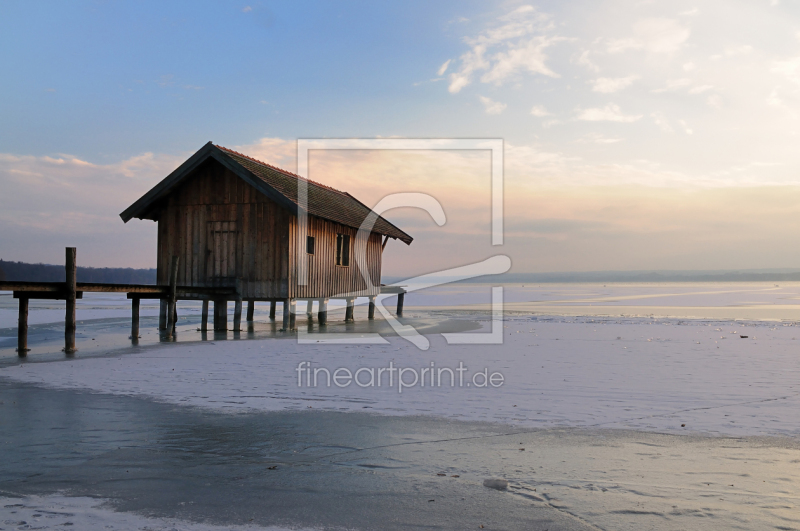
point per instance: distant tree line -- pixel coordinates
(21, 271)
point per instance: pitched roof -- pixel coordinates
(280, 185)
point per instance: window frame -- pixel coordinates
(342, 258)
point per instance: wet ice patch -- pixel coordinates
(91, 514)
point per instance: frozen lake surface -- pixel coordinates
(649, 406)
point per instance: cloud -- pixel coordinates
(583, 60)
(789, 68)
(662, 122)
(608, 85)
(492, 107)
(56, 200)
(714, 101)
(673, 85)
(700, 89)
(246, 9)
(539, 111)
(276, 151)
(516, 45)
(528, 57)
(609, 113)
(443, 68)
(595, 138)
(661, 35)
(656, 35)
(166, 80)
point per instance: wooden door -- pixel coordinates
(222, 251)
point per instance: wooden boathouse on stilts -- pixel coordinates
(230, 222)
(229, 229)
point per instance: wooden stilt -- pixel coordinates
(292, 314)
(71, 289)
(400, 298)
(310, 309)
(286, 316)
(220, 315)
(348, 313)
(204, 317)
(135, 320)
(322, 314)
(171, 310)
(272, 305)
(371, 312)
(162, 315)
(237, 315)
(22, 328)
(251, 308)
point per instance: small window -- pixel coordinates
(310, 244)
(343, 250)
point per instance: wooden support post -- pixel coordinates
(251, 308)
(400, 298)
(322, 314)
(71, 289)
(237, 315)
(135, 320)
(310, 310)
(272, 305)
(172, 312)
(220, 315)
(162, 315)
(22, 328)
(348, 313)
(371, 313)
(292, 314)
(204, 317)
(286, 315)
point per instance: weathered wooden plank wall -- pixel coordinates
(223, 230)
(325, 278)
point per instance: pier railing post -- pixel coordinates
(204, 317)
(220, 315)
(71, 295)
(171, 307)
(135, 320)
(286, 315)
(237, 315)
(162, 314)
(22, 331)
(322, 314)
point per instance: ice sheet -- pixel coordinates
(637, 373)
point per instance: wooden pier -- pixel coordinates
(71, 290)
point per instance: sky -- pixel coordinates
(637, 135)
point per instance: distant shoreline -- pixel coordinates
(10, 270)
